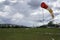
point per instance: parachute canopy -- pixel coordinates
(45, 6)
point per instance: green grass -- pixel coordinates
(29, 34)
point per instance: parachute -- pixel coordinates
(45, 6)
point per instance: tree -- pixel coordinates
(50, 23)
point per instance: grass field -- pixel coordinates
(29, 34)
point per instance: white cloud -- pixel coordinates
(3, 14)
(21, 1)
(57, 19)
(22, 13)
(13, 1)
(7, 8)
(17, 16)
(2, 1)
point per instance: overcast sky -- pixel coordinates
(28, 12)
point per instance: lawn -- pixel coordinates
(29, 34)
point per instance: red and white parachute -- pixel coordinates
(45, 6)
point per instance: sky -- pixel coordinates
(28, 12)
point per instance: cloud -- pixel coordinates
(34, 4)
(17, 17)
(2, 1)
(3, 14)
(27, 12)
